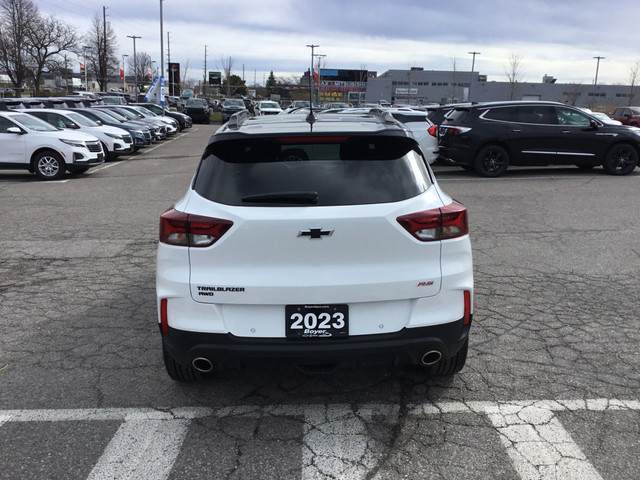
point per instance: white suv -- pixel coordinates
(28, 142)
(423, 129)
(115, 141)
(322, 241)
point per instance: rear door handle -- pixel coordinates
(516, 131)
(565, 132)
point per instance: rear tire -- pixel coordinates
(49, 165)
(491, 161)
(452, 365)
(179, 373)
(621, 159)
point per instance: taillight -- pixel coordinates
(433, 131)
(186, 230)
(457, 130)
(442, 223)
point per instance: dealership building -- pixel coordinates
(417, 86)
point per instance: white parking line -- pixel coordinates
(538, 444)
(141, 449)
(335, 439)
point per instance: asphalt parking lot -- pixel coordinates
(550, 389)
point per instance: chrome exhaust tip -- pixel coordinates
(431, 357)
(202, 364)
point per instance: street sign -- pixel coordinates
(215, 78)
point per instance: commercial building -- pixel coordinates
(420, 87)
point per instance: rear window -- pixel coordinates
(455, 116)
(500, 113)
(311, 171)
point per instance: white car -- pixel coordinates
(423, 129)
(267, 107)
(115, 141)
(603, 117)
(172, 125)
(322, 242)
(30, 143)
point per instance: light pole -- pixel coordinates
(86, 69)
(311, 77)
(473, 64)
(124, 89)
(135, 66)
(595, 82)
(319, 57)
(161, 80)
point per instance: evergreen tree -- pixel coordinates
(271, 83)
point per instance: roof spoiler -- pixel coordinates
(237, 119)
(383, 115)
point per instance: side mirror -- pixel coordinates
(15, 130)
(72, 125)
(593, 124)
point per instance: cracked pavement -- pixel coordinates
(557, 274)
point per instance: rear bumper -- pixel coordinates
(404, 347)
(458, 155)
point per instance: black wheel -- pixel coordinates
(49, 165)
(621, 159)
(178, 372)
(108, 156)
(449, 366)
(491, 161)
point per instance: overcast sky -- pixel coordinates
(555, 37)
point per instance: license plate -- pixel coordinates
(317, 321)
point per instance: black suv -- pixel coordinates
(489, 137)
(231, 106)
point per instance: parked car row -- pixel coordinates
(52, 136)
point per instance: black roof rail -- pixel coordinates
(237, 119)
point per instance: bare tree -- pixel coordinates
(142, 62)
(185, 70)
(101, 51)
(573, 93)
(514, 74)
(634, 76)
(48, 37)
(16, 19)
(226, 65)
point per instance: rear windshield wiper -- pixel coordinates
(303, 198)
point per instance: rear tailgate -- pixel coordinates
(277, 256)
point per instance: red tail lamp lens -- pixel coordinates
(186, 230)
(436, 224)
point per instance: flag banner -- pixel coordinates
(121, 74)
(162, 90)
(152, 93)
(81, 66)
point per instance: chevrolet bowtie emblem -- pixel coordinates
(315, 233)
